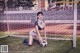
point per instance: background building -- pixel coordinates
(44, 5)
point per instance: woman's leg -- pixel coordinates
(39, 38)
(30, 39)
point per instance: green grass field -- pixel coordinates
(16, 46)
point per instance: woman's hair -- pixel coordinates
(39, 13)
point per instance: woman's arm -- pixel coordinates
(44, 30)
(39, 36)
(37, 30)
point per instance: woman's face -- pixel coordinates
(40, 16)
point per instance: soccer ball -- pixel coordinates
(44, 43)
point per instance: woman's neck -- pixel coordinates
(39, 19)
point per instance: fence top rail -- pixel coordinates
(47, 21)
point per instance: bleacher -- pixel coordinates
(48, 15)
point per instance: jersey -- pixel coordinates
(40, 24)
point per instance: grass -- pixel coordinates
(3, 33)
(16, 46)
(48, 35)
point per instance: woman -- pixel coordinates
(39, 26)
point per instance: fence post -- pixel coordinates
(75, 23)
(7, 17)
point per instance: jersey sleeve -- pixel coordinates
(36, 23)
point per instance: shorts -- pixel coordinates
(33, 33)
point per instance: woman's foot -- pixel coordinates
(26, 42)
